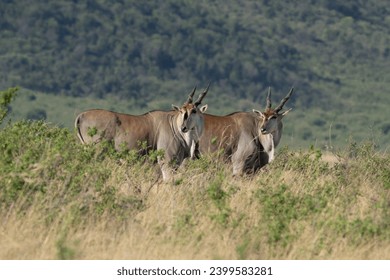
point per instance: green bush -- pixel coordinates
(45, 163)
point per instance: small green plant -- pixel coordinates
(308, 162)
(5, 99)
(184, 223)
(178, 182)
(143, 145)
(216, 193)
(219, 197)
(92, 131)
(64, 252)
(203, 163)
(281, 207)
(242, 248)
(358, 230)
(155, 154)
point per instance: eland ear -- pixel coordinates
(174, 107)
(203, 108)
(285, 112)
(258, 113)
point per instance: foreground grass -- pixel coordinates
(61, 200)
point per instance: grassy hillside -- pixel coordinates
(85, 202)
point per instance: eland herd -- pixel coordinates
(246, 139)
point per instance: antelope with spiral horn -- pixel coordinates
(246, 139)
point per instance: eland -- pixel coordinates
(247, 139)
(176, 132)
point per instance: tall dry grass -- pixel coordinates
(61, 200)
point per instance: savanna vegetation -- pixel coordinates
(62, 200)
(325, 196)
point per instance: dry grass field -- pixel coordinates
(61, 200)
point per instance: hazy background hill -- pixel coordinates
(133, 56)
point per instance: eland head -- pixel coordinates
(190, 114)
(271, 119)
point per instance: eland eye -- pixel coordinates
(193, 111)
